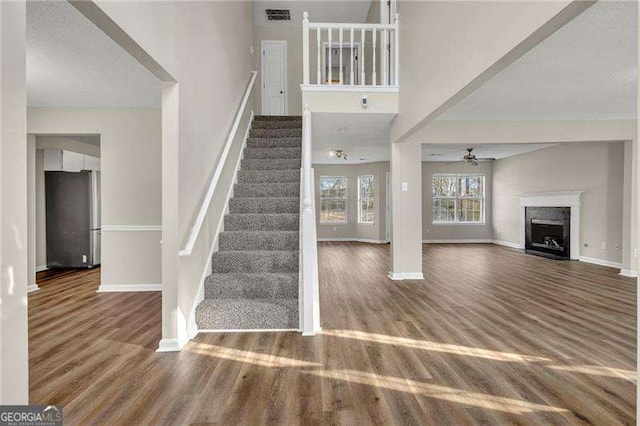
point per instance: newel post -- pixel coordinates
(305, 48)
(309, 288)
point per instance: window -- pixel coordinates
(366, 196)
(458, 198)
(333, 199)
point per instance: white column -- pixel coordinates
(14, 354)
(170, 218)
(406, 211)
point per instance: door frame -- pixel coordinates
(286, 78)
(357, 46)
(388, 212)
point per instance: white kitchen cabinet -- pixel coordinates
(68, 161)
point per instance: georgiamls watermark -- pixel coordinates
(30, 415)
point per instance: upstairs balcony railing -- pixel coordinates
(350, 54)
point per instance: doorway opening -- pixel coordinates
(64, 203)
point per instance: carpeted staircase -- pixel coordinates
(254, 284)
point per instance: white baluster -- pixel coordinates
(373, 61)
(385, 57)
(362, 34)
(305, 48)
(319, 37)
(341, 74)
(351, 68)
(397, 50)
(330, 79)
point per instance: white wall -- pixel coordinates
(190, 40)
(131, 183)
(431, 231)
(462, 44)
(293, 36)
(594, 167)
(14, 356)
(353, 229)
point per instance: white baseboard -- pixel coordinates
(458, 241)
(41, 268)
(354, 240)
(169, 345)
(249, 330)
(117, 288)
(629, 273)
(507, 244)
(32, 287)
(600, 262)
(397, 276)
(305, 334)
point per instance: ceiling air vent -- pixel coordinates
(278, 15)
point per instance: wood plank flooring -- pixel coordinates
(492, 336)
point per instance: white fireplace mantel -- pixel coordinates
(572, 199)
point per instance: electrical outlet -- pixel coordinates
(603, 245)
(635, 252)
(84, 258)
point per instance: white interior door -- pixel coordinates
(274, 78)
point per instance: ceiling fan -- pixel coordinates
(471, 158)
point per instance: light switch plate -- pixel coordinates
(405, 186)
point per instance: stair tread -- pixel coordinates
(247, 285)
(277, 118)
(240, 313)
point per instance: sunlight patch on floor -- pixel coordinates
(434, 346)
(597, 370)
(262, 360)
(444, 393)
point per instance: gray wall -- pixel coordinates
(454, 232)
(353, 230)
(596, 168)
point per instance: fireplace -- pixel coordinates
(548, 231)
(554, 207)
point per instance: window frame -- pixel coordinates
(456, 199)
(372, 199)
(346, 201)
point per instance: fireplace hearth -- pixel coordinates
(547, 231)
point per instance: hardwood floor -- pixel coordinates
(492, 336)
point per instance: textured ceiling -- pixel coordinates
(70, 62)
(319, 11)
(586, 70)
(447, 153)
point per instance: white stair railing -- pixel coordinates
(309, 295)
(382, 41)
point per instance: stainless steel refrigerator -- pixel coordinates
(73, 219)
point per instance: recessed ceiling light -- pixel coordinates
(343, 130)
(437, 155)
